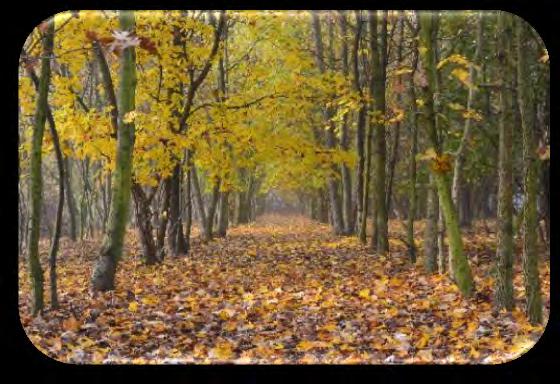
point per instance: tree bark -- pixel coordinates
(504, 252)
(176, 240)
(223, 214)
(378, 51)
(530, 175)
(463, 275)
(413, 124)
(360, 129)
(103, 277)
(460, 155)
(430, 232)
(70, 202)
(332, 184)
(348, 217)
(144, 224)
(36, 185)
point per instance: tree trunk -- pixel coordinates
(175, 239)
(103, 277)
(144, 224)
(163, 219)
(463, 275)
(379, 241)
(395, 147)
(412, 195)
(200, 205)
(348, 217)
(70, 202)
(460, 155)
(430, 232)
(504, 252)
(188, 203)
(36, 186)
(366, 185)
(530, 175)
(332, 184)
(360, 129)
(223, 214)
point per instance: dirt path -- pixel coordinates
(283, 290)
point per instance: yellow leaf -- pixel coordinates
(329, 327)
(150, 300)
(133, 306)
(423, 341)
(305, 345)
(462, 75)
(129, 117)
(222, 351)
(364, 293)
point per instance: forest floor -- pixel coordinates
(282, 290)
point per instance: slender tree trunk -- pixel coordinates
(59, 210)
(439, 165)
(460, 155)
(442, 259)
(395, 147)
(348, 216)
(332, 184)
(379, 241)
(60, 206)
(70, 198)
(530, 175)
(36, 186)
(366, 185)
(103, 277)
(212, 210)
(504, 252)
(199, 204)
(188, 203)
(360, 129)
(163, 219)
(412, 195)
(430, 232)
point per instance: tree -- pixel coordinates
(504, 251)
(103, 277)
(439, 164)
(36, 186)
(378, 49)
(332, 184)
(461, 151)
(525, 55)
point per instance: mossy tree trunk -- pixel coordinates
(36, 186)
(504, 252)
(103, 277)
(440, 166)
(530, 223)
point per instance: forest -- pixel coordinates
(284, 187)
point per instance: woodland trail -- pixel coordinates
(282, 290)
